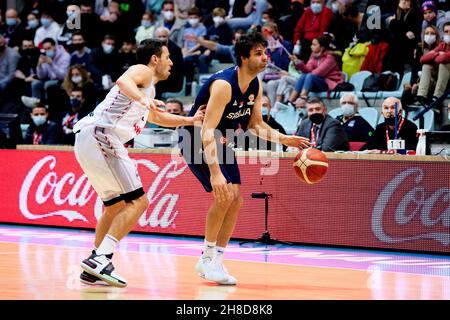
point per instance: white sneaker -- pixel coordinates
(102, 267)
(29, 102)
(89, 279)
(215, 271)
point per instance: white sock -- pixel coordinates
(209, 249)
(220, 251)
(108, 245)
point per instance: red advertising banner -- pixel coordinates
(363, 203)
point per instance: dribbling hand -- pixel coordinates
(296, 142)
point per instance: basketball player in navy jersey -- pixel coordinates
(233, 102)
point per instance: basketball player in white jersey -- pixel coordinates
(99, 149)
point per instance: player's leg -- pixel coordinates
(106, 220)
(217, 270)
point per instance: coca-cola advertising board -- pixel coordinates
(364, 203)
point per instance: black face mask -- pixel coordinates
(391, 120)
(77, 46)
(316, 118)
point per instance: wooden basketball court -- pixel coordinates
(43, 263)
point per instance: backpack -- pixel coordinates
(342, 87)
(380, 82)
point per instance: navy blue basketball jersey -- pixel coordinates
(238, 110)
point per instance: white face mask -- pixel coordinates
(76, 79)
(429, 39)
(218, 20)
(447, 38)
(348, 109)
(39, 120)
(168, 15)
(193, 22)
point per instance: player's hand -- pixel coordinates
(296, 141)
(198, 117)
(221, 189)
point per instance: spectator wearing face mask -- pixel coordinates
(81, 54)
(146, 29)
(32, 26)
(78, 109)
(355, 126)
(191, 47)
(13, 30)
(79, 78)
(182, 8)
(49, 29)
(103, 68)
(175, 81)
(406, 130)
(8, 63)
(41, 130)
(69, 27)
(253, 14)
(52, 67)
(434, 17)
(220, 33)
(324, 132)
(169, 21)
(313, 23)
(435, 63)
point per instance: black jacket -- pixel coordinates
(331, 134)
(407, 133)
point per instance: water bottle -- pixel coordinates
(422, 143)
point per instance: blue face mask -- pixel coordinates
(45, 22)
(264, 111)
(146, 24)
(316, 8)
(39, 120)
(75, 103)
(107, 48)
(11, 22)
(33, 24)
(50, 53)
(71, 14)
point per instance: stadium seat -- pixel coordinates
(428, 118)
(286, 116)
(356, 145)
(181, 93)
(335, 112)
(370, 115)
(358, 78)
(398, 93)
(156, 138)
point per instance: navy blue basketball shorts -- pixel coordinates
(230, 171)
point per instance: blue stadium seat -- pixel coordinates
(287, 116)
(370, 115)
(181, 93)
(428, 118)
(335, 112)
(398, 93)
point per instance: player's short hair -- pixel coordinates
(245, 43)
(147, 48)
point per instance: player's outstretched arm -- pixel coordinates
(266, 132)
(166, 119)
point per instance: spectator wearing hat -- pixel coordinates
(433, 17)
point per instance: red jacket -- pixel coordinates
(312, 25)
(433, 56)
(373, 62)
(325, 67)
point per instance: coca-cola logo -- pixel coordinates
(417, 204)
(42, 189)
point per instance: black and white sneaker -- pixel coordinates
(89, 279)
(101, 267)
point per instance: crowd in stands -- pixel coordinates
(59, 58)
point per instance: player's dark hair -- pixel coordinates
(245, 43)
(147, 48)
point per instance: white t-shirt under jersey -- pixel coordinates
(124, 116)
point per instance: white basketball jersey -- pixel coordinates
(124, 116)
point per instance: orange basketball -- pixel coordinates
(310, 165)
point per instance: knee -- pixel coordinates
(141, 203)
(238, 200)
